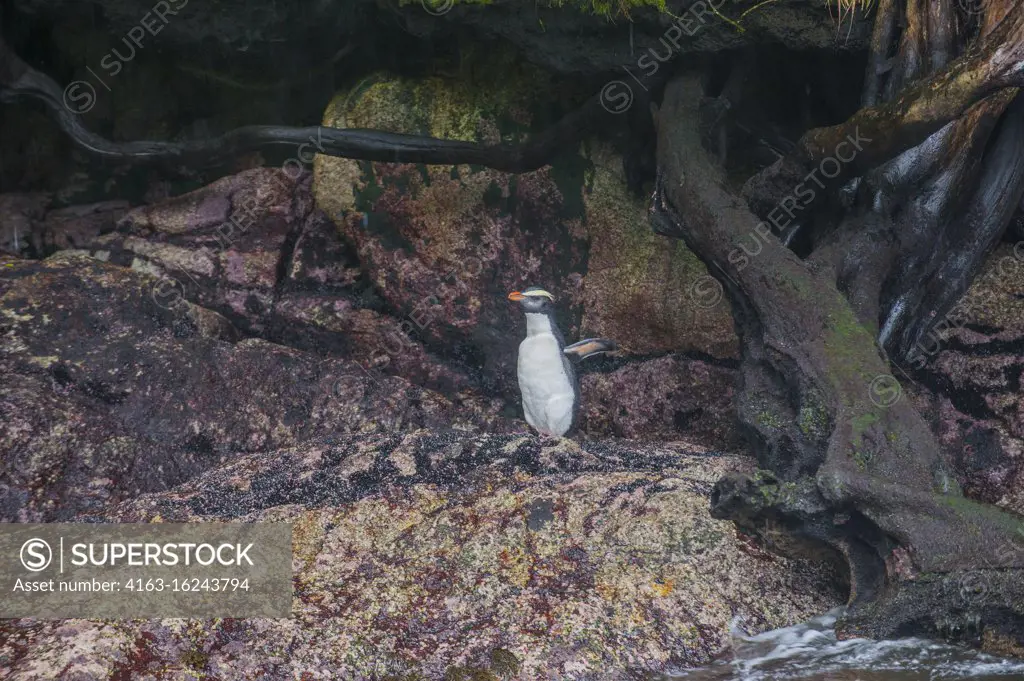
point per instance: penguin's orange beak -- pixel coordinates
(516, 296)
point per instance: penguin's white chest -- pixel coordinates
(548, 395)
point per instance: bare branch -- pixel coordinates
(19, 81)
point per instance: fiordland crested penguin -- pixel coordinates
(551, 392)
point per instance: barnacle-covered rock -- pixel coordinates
(436, 553)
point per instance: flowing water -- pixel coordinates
(811, 652)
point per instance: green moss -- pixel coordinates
(504, 662)
(967, 508)
(610, 8)
(770, 420)
(813, 420)
(847, 338)
(850, 352)
(860, 424)
(194, 659)
(629, 266)
(775, 493)
(862, 459)
(453, 106)
(849, 346)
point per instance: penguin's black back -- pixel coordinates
(574, 380)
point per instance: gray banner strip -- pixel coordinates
(61, 570)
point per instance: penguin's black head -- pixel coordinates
(534, 299)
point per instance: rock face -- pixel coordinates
(442, 245)
(662, 398)
(108, 392)
(970, 371)
(430, 553)
(446, 244)
(254, 249)
(19, 218)
(432, 537)
(641, 288)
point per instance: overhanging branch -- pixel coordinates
(19, 81)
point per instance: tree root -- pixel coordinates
(993, 63)
(854, 474)
(987, 175)
(879, 63)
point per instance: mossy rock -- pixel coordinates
(640, 287)
(572, 226)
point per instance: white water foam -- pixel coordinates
(811, 651)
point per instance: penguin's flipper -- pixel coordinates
(588, 347)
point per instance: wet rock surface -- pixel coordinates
(970, 382)
(663, 399)
(255, 249)
(444, 245)
(107, 392)
(431, 536)
(434, 551)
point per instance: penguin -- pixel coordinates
(547, 381)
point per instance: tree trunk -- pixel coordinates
(990, 64)
(851, 467)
